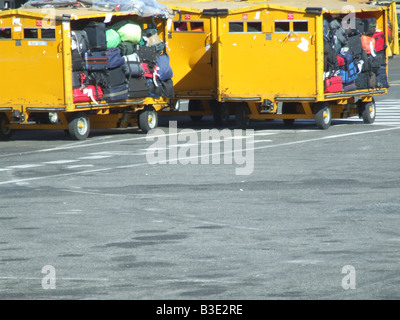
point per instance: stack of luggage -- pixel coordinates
(355, 56)
(118, 62)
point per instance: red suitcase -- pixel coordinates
(333, 84)
(87, 94)
(379, 37)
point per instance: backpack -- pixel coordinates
(79, 41)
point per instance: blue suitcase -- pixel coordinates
(95, 60)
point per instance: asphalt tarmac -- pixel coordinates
(315, 216)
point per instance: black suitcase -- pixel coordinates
(79, 79)
(115, 77)
(369, 26)
(96, 34)
(381, 78)
(356, 28)
(77, 61)
(350, 87)
(115, 93)
(355, 46)
(95, 60)
(138, 88)
(362, 80)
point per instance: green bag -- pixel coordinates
(113, 39)
(130, 32)
(126, 48)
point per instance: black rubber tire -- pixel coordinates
(221, 113)
(148, 120)
(368, 111)
(195, 105)
(288, 108)
(242, 116)
(323, 115)
(5, 133)
(79, 126)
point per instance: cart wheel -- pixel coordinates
(148, 120)
(288, 108)
(5, 132)
(368, 111)
(195, 105)
(79, 126)
(323, 115)
(221, 112)
(242, 116)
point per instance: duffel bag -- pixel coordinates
(87, 94)
(130, 32)
(164, 70)
(349, 74)
(113, 39)
(114, 58)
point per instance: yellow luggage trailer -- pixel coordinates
(261, 60)
(36, 76)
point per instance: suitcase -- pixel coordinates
(148, 70)
(362, 81)
(333, 84)
(96, 34)
(381, 78)
(372, 80)
(369, 26)
(115, 93)
(330, 60)
(133, 65)
(368, 43)
(355, 46)
(358, 27)
(350, 87)
(379, 41)
(138, 88)
(79, 79)
(77, 61)
(87, 94)
(95, 60)
(115, 77)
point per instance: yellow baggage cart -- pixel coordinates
(263, 60)
(36, 89)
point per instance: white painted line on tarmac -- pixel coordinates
(60, 161)
(25, 166)
(285, 144)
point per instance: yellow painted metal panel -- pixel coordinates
(190, 47)
(267, 63)
(31, 63)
